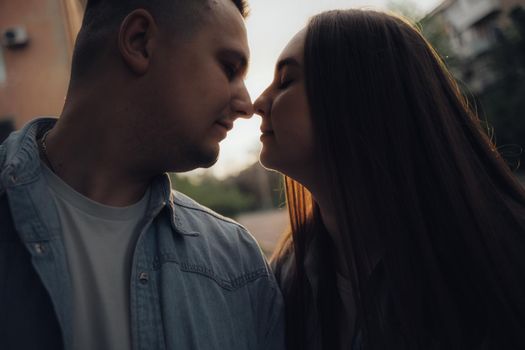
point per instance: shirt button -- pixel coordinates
(39, 248)
(143, 277)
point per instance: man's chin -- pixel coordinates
(196, 160)
(209, 163)
(209, 158)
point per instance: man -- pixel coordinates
(96, 251)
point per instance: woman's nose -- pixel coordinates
(260, 105)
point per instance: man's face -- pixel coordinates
(198, 91)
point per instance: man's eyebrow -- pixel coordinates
(237, 56)
(289, 61)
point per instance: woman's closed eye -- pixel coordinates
(284, 82)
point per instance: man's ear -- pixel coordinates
(136, 40)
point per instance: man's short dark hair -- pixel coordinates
(103, 17)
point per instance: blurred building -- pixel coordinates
(473, 27)
(36, 43)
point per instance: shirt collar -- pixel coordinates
(22, 166)
(164, 197)
(22, 163)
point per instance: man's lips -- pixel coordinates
(227, 124)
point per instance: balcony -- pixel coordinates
(479, 38)
(464, 13)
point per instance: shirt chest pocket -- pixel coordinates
(206, 309)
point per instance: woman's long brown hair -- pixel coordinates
(412, 175)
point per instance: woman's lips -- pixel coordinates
(266, 130)
(266, 134)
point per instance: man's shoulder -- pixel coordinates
(185, 203)
(224, 232)
(220, 247)
(19, 149)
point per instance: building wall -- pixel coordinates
(464, 13)
(36, 76)
(470, 23)
(507, 6)
(470, 36)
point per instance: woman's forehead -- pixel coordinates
(295, 47)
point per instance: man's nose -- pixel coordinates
(242, 103)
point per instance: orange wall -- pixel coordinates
(38, 74)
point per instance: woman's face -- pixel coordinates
(287, 134)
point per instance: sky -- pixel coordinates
(271, 24)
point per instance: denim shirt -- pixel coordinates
(198, 280)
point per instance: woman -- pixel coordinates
(407, 228)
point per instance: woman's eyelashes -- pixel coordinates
(284, 82)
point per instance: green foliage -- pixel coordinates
(503, 102)
(224, 198)
(433, 30)
(263, 185)
(405, 8)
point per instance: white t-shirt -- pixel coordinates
(99, 243)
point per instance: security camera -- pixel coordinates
(15, 37)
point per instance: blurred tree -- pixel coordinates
(264, 185)
(224, 198)
(405, 8)
(254, 188)
(434, 30)
(503, 103)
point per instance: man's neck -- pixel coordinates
(96, 163)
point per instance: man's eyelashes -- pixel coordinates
(230, 70)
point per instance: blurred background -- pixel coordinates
(481, 41)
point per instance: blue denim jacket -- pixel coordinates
(198, 280)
